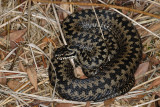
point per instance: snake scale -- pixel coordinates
(107, 47)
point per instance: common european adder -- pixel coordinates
(107, 47)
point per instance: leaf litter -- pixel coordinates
(27, 82)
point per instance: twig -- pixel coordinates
(96, 4)
(12, 9)
(133, 21)
(140, 105)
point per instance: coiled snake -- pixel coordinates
(106, 46)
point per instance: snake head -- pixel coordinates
(65, 52)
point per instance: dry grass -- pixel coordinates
(29, 31)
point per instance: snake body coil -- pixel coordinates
(113, 56)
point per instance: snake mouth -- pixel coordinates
(66, 55)
(65, 58)
(65, 52)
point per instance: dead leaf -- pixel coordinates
(88, 104)
(64, 105)
(37, 103)
(32, 75)
(157, 103)
(153, 28)
(10, 105)
(154, 60)
(3, 80)
(85, 6)
(62, 14)
(140, 5)
(154, 84)
(158, 94)
(54, 42)
(14, 84)
(154, 9)
(65, 7)
(44, 62)
(79, 73)
(43, 22)
(143, 67)
(107, 103)
(157, 44)
(21, 67)
(2, 56)
(15, 36)
(144, 56)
